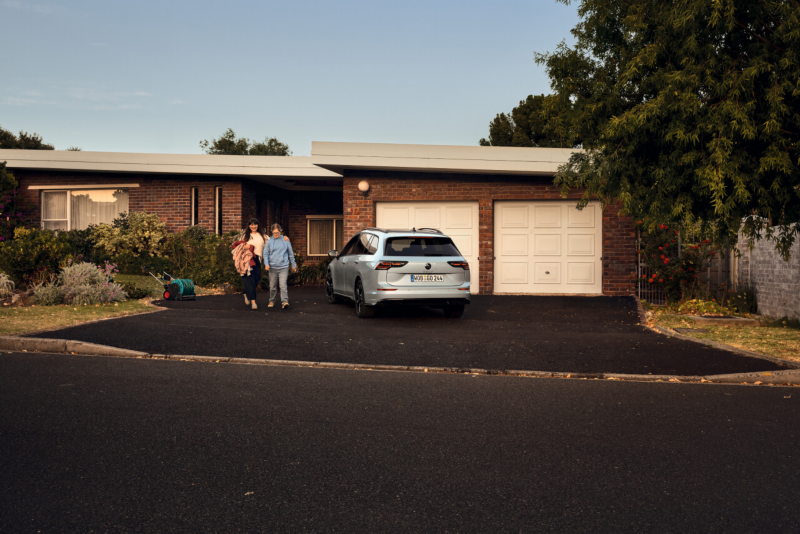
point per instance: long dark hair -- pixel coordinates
(260, 230)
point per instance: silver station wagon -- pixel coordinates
(420, 267)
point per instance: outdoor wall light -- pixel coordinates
(363, 186)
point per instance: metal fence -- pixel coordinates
(718, 276)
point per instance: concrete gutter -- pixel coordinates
(27, 344)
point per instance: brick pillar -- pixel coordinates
(486, 246)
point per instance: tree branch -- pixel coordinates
(759, 37)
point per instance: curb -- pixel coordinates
(22, 344)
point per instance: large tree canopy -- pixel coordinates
(24, 141)
(687, 110)
(526, 126)
(229, 144)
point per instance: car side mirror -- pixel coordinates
(333, 253)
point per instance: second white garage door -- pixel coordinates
(459, 220)
(547, 247)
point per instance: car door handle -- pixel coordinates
(355, 262)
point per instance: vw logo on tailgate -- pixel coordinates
(428, 266)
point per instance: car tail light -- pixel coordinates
(385, 265)
(464, 265)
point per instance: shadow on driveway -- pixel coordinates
(570, 334)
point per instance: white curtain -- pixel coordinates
(54, 210)
(320, 236)
(95, 206)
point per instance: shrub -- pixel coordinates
(134, 291)
(33, 255)
(48, 294)
(678, 274)
(742, 298)
(6, 286)
(202, 257)
(138, 233)
(85, 283)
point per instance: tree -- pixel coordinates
(229, 144)
(526, 126)
(24, 141)
(687, 110)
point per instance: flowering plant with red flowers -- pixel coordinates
(673, 265)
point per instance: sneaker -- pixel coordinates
(285, 305)
(254, 306)
(246, 300)
(271, 305)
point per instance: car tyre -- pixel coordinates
(329, 294)
(362, 310)
(453, 312)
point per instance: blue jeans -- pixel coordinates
(278, 276)
(250, 282)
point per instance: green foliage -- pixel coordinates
(48, 294)
(687, 111)
(679, 275)
(23, 141)
(33, 255)
(138, 234)
(12, 206)
(202, 257)
(134, 291)
(229, 144)
(6, 286)
(526, 126)
(741, 298)
(79, 284)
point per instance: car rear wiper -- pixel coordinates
(434, 254)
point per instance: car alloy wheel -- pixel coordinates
(362, 310)
(331, 296)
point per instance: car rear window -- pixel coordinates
(420, 246)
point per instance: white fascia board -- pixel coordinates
(436, 158)
(63, 160)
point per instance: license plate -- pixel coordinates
(427, 278)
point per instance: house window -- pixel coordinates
(79, 208)
(325, 233)
(218, 200)
(195, 206)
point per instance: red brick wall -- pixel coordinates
(359, 212)
(302, 203)
(167, 196)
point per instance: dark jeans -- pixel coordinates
(251, 280)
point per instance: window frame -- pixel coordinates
(332, 218)
(218, 210)
(194, 206)
(68, 191)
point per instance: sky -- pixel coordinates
(160, 77)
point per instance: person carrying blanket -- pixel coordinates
(278, 256)
(247, 250)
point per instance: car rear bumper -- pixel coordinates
(423, 302)
(434, 296)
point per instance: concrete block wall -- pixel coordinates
(776, 282)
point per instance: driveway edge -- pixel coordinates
(66, 346)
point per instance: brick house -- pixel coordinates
(497, 203)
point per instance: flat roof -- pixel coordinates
(439, 158)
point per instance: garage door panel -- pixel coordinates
(427, 218)
(581, 218)
(514, 245)
(547, 273)
(580, 272)
(514, 272)
(460, 217)
(463, 244)
(580, 244)
(564, 247)
(395, 218)
(547, 244)
(514, 216)
(547, 216)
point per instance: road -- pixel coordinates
(93, 443)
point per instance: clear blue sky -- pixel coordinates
(143, 76)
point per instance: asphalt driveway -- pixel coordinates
(571, 334)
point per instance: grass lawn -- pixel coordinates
(16, 320)
(771, 339)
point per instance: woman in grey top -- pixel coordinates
(278, 256)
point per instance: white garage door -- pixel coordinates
(459, 220)
(547, 247)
